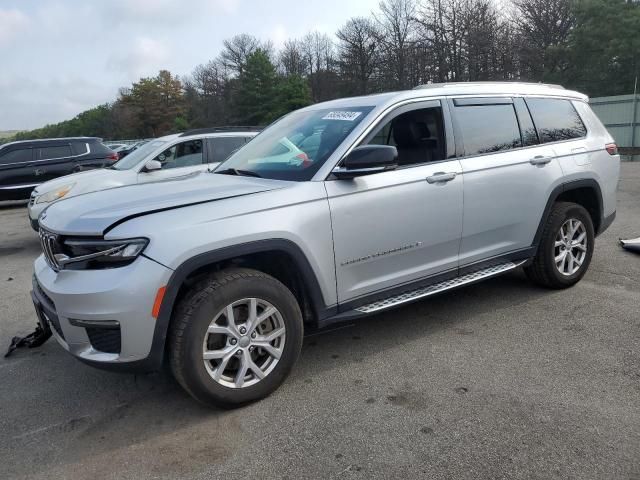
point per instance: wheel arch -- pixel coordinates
(585, 192)
(285, 257)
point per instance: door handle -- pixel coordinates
(38, 171)
(540, 160)
(441, 177)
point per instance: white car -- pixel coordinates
(160, 159)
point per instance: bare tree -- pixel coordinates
(396, 20)
(359, 53)
(207, 91)
(291, 59)
(541, 24)
(318, 50)
(237, 49)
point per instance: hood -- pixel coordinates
(87, 181)
(96, 212)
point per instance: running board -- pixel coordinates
(422, 292)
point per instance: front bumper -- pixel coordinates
(103, 317)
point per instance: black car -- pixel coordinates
(26, 164)
(123, 152)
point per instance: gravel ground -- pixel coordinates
(497, 380)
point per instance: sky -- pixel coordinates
(61, 57)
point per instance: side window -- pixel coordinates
(223, 147)
(488, 128)
(555, 119)
(185, 154)
(16, 156)
(58, 151)
(417, 134)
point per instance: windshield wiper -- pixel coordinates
(239, 172)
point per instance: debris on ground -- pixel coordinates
(33, 340)
(632, 244)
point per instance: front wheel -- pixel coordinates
(235, 337)
(565, 249)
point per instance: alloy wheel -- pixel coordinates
(244, 343)
(570, 247)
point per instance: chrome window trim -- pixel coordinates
(321, 176)
(49, 159)
(15, 187)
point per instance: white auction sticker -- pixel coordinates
(347, 116)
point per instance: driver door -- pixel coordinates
(401, 226)
(179, 160)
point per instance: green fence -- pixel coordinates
(621, 116)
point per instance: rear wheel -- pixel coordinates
(235, 337)
(565, 249)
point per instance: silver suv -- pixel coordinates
(339, 210)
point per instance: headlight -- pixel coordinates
(99, 254)
(54, 194)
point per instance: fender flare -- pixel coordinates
(567, 187)
(180, 274)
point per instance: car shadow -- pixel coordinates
(13, 204)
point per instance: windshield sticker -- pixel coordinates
(346, 116)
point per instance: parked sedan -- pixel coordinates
(160, 159)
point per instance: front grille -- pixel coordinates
(50, 247)
(32, 199)
(105, 340)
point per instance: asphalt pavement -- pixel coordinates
(497, 380)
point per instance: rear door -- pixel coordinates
(181, 159)
(220, 148)
(508, 176)
(15, 169)
(53, 160)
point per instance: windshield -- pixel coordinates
(295, 147)
(139, 154)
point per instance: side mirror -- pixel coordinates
(152, 165)
(366, 160)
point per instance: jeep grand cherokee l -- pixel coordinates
(398, 196)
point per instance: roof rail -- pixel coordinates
(51, 140)
(199, 131)
(457, 84)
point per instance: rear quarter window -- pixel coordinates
(555, 119)
(94, 147)
(220, 148)
(488, 128)
(80, 148)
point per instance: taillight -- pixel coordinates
(611, 148)
(113, 156)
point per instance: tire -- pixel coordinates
(203, 316)
(544, 271)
